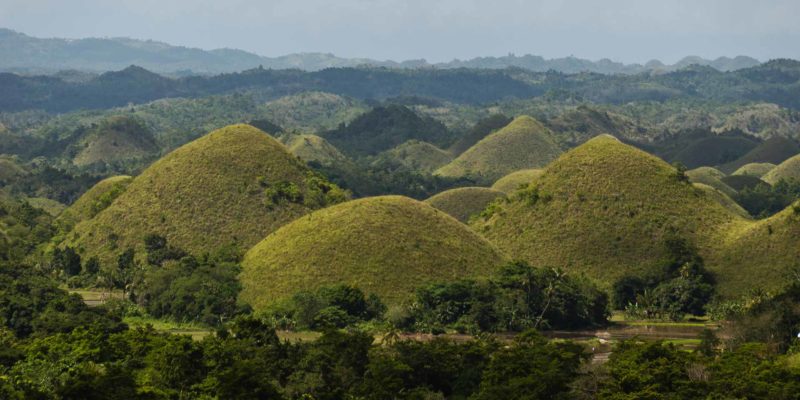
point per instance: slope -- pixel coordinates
(386, 245)
(118, 138)
(416, 156)
(774, 150)
(515, 180)
(757, 170)
(787, 170)
(462, 203)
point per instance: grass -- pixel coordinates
(711, 177)
(386, 245)
(604, 209)
(418, 156)
(93, 201)
(583, 123)
(723, 199)
(196, 331)
(462, 203)
(787, 170)
(741, 182)
(314, 148)
(774, 150)
(50, 206)
(115, 139)
(522, 144)
(514, 180)
(754, 169)
(209, 193)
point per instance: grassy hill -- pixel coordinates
(116, 139)
(233, 186)
(514, 180)
(312, 148)
(754, 169)
(774, 150)
(524, 143)
(417, 156)
(95, 199)
(723, 199)
(741, 182)
(711, 177)
(714, 150)
(604, 209)
(386, 127)
(480, 130)
(384, 245)
(462, 203)
(583, 123)
(787, 170)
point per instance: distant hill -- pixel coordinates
(711, 177)
(118, 138)
(463, 203)
(313, 111)
(387, 245)
(231, 187)
(516, 180)
(524, 143)
(584, 122)
(774, 150)
(754, 169)
(312, 148)
(416, 156)
(787, 170)
(25, 53)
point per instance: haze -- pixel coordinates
(623, 30)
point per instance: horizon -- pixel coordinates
(624, 31)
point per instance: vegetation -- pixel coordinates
(96, 199)
(754, 169)
(774, 150)
(384, 245)
(711, 177)
(312, 148)
(524, 143)
(416, 156)
(788, 170)
(516, 180)
(463, 203)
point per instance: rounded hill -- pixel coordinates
(522, 144)
(757, 170)
(233, 186)
(462, 203)
(387, 245)
(774, 150)
(515, 180)
(96, 199)
(787, 170)
(118, 138)
(711, 177)
(605, 209)
(312, 148)
(417, 156)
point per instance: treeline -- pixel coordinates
(775, 82)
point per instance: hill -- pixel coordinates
(117, 138)
(462, 203)
(524, 143)
(741, 182)
(480, 130)
(604, 209)
(711, 177)
(312, 148)
(774, 150)
(312, 111)
(516, 179)
(386, 245)
(578, 125)
(10, 170)
(787, 170)
(232, 186)
(383, 128)
(714, 150)
(723, 199)
(96, 199)
(416, 156)
(754, 169)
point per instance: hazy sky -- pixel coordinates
(438, 30)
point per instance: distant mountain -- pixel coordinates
(26, 54)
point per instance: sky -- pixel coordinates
(436, 30)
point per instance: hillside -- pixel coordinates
(787, 170)
(312, 111)
(774, 150)
(384, 245)
(522, 144)
(516, 179)
(480, 130)
(118, 138)
(462, 203)
(312, 148)
(93, 201)
(714, 150)
(723, 199)
(604, 209)
(232, 186)
(383, 128)
(10, 170)
(754, 169)
(583, 123)
(416, 156)
(711, 177)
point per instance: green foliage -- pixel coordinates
(764, 200)
(516, 298)
(328, 307)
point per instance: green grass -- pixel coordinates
(212, 192)
(50, 206)
(418, 156)
(196, 331)
(711, 177)
(723, 199)
(522, 144)
(754, 169)
(314, 148)
(93, 201)
(462, 203)
(604, 209)
(514, 180)
(387, 245)
(787, 170)
(115, 139)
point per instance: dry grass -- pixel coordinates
(314, 148)
(117, 138)
(418, 156)
(462, 203)
(515, 180)
(757, 170)
(787, 170)
(386, 245)
(711, 177)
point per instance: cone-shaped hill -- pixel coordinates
(312, 148)
(417, 156)
(757, 170)
(605, 209)
(462, 203)
(711, 177)
(774, 150)
(524, 143)
(234, 185)
(514, 180)
(787, 170)
(96, 199)
(386, 245)
(115, 139)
